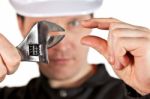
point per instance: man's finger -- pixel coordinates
(127, 50)
(9, 54)
(101, 23)
(3, 70)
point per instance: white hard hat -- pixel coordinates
(43, 8)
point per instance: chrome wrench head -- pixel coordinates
(41, 37)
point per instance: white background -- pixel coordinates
(131, 11)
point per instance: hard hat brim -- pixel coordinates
(54, 8)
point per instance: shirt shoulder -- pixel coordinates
(19, 92)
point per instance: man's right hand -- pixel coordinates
(9, 58)
(126, 49)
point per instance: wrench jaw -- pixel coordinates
(53, 40)
(34, 47)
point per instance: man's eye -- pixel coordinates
(74, 23)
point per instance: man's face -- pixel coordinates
(69, 57)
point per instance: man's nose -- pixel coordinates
(64, 44)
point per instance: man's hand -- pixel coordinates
(127, 49)
(9, 58)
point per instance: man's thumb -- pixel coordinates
(97, 43)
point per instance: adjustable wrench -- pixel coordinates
(35, 46)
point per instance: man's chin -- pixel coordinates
(60, 72)
(60, 77)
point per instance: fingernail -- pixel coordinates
(84, 42)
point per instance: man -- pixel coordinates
(68, 75)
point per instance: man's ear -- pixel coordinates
(20, 23)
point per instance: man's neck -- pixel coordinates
(75, 81)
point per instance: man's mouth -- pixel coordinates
(60, 60)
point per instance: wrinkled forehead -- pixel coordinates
(58, 19)
(62, 17)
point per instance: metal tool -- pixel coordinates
(35, 46)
